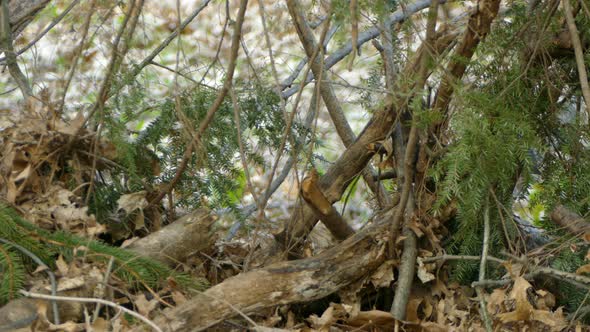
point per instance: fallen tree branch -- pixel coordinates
(171, 244)
(284, 282)
(178, 240)
(577, 280)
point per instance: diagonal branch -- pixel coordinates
(327, 91)
(363, 37)
(478, 27)
(579, 53)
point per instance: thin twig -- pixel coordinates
(91, 300)
(116, 58)
(101, 287)
(482, 266)
(364, 37)
(77, 54)
(137, 69)
(575, 38)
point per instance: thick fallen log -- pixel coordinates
(283, 283)
(171, 244)
(175, 242)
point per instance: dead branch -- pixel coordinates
(365, 36)
(327, 92)
(177, 241)
(283, 283)
(22, 13)
(323, 208)
(354, 159)
(478, 27)
(578, 51)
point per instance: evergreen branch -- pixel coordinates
(47, 270)
(214, 107)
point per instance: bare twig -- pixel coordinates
(572, 278)
(364, 37)
(575, 37)
(124, 34)
(137, 69)
(92, 300)
(482, 266)
(237, 111)
(77, 55)
(101, 287)
(327, 92)
(406, 179)
(248, 210)
(6, 45)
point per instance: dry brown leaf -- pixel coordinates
(496, 301)
(374, 317)
(412, 310)
(178, 297)
(583, 269)
(62, 266)
(423, 274)
(323, 323)
(523, 308)
(144, 307)
(383, 276)
(132, 202)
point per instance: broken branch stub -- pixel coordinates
(324, 210)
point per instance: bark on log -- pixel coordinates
(283, 283)
(171, 244)
(569, 220)
(175, 242)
